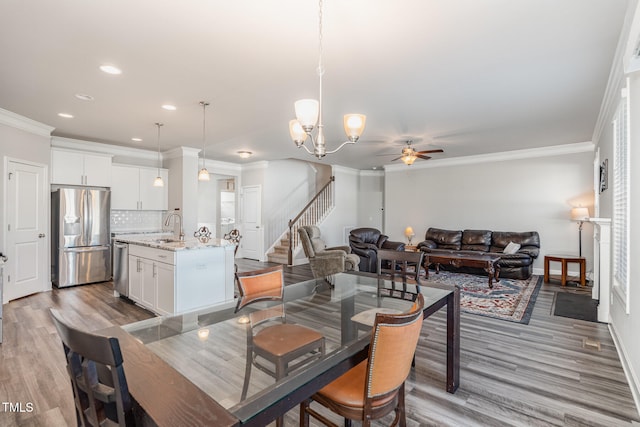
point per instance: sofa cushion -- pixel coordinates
(476, 240)
(445, 239)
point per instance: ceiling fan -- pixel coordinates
(410, 155)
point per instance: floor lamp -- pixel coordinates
(581, 215)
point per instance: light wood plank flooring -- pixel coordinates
(512, 375)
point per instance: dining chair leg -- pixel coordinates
(304, 415)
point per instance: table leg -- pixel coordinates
(453, 340)
(563, 279)
(491, 272)
(546, 270)
(583, 272)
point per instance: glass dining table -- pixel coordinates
(192, 369)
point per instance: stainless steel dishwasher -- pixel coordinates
(121, 268)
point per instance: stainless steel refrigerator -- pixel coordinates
(80, 227)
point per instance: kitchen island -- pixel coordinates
(169, 276)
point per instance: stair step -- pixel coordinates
(278, 259)
(281, 250)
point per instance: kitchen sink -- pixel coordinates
(161, 241)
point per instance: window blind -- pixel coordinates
(621, 197)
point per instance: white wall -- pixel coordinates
(519, 194)
(345, 213)
(625, 326)
(22, 139)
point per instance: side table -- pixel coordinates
(564, 260)
(410, 248)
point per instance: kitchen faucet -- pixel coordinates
(168, 220)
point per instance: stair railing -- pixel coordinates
(311, 214)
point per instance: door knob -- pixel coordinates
(41, 235)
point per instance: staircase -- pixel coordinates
(280, 252)
(312, 214)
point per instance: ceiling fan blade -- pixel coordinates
(431, 151)
(397, 158)
(420, 156)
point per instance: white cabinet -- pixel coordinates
(132, 189)
(169, 282)
(77, 168)
(152, 278)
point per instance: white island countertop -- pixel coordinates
(171, 243)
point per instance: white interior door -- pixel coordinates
(252, 240)
(27, 204)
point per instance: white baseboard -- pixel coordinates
(629, 373)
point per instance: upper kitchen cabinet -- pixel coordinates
(78, 168)
(132, 189)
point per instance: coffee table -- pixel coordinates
(488, 262)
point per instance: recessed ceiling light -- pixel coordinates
(66, 115)
(110, 69)
(169, 107)
(84, 97)
(245, 154)
(136, 139)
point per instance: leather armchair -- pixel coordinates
(325, 261)
(365, 243)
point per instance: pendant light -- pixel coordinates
(158, 182)
(203, 175)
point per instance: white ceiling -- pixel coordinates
(467, 76)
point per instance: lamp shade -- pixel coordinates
(307, 112)
(297, 133)
(354, 125)
(408, 232)
(203, 175)
(409, 159)
(579, 214)
(158, 182)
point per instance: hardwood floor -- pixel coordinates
(511, 374)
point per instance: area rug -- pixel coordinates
(509, 299)
(576, 306)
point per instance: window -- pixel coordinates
(621, 201)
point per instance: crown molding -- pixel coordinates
(99, 147)
(26, 124)
(531, 153)
(376, 173)
(615, 81)
(179, 152)
(217, 165)
(345, 170)
(263, 164)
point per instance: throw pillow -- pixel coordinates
(511, 248)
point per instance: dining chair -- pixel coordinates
(285, 346)
(401, 264)
(99, 385)
(375, 387)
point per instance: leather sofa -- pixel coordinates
(518, 265)
(365, 243)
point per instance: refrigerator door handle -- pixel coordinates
(87, 249)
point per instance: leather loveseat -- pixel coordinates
(518, 265)
(365, 243)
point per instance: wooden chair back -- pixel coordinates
(400, 264)
(393, 343)
(94, 364)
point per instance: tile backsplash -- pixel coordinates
(136, 220)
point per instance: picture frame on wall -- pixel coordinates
(604, 179)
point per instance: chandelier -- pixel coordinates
(309, 113)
